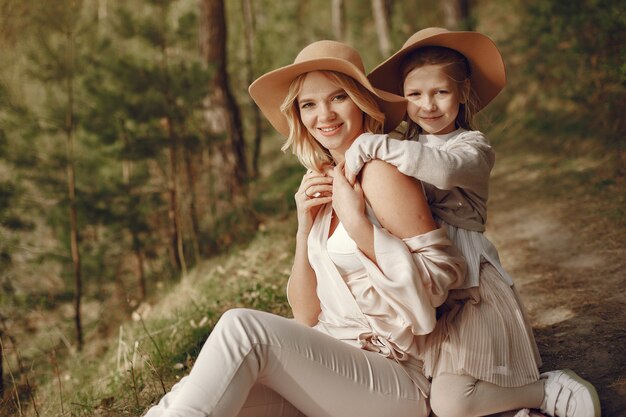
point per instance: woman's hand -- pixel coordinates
(349, 205)
(315, 190)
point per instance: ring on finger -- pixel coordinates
(315, 195)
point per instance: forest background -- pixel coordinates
(142, 193)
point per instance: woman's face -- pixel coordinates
(329, 114)
(434, 99)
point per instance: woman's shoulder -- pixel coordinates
(379, 178)
(397, 200)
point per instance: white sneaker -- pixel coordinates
(568, 395)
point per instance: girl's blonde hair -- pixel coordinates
(308, 150)
(457, 68)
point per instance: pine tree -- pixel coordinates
(147, 110)
(55, 63)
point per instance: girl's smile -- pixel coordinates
(434, 99)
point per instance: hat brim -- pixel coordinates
(488, 76)
(269, 91)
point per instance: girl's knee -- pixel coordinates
(451, 395)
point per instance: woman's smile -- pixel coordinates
(330, 130)
(329, 114)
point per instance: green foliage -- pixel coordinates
(9, 216)
(574, 51)
(276, 194)
(146, 95)
(236, 225)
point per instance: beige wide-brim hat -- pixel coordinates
(488, 75)
(269, 90)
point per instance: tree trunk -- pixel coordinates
(1, 366)
(209, 178)
(213, 48)
(172, 211)
(250, 34)
(176, 248)
(338, 19)
(71, 187)
(193, 210)
(457, 14)
(381, 19)
(127, 171)
(75, 250)
(141, 272)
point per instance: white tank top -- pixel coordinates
(342, 251)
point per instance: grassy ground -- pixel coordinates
(557, 219)
(127, 369)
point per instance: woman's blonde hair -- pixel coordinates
(308, 150)
(457, 68)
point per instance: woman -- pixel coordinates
(368, 274)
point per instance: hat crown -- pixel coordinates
(488, 75)
(424, 34)
(331, 50)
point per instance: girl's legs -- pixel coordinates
(557, 393)
(319, 375)
(462, 395)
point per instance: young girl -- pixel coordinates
(482, 355)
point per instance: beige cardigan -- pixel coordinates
(410, 280)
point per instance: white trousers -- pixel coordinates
(259, 364)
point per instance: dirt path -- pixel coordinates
(571, 284)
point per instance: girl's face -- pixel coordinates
(329, 114)
(434, 98)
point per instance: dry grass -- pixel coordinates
(158, 345)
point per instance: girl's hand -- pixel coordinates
(348, 200)
(350, 176)
(315, 190)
